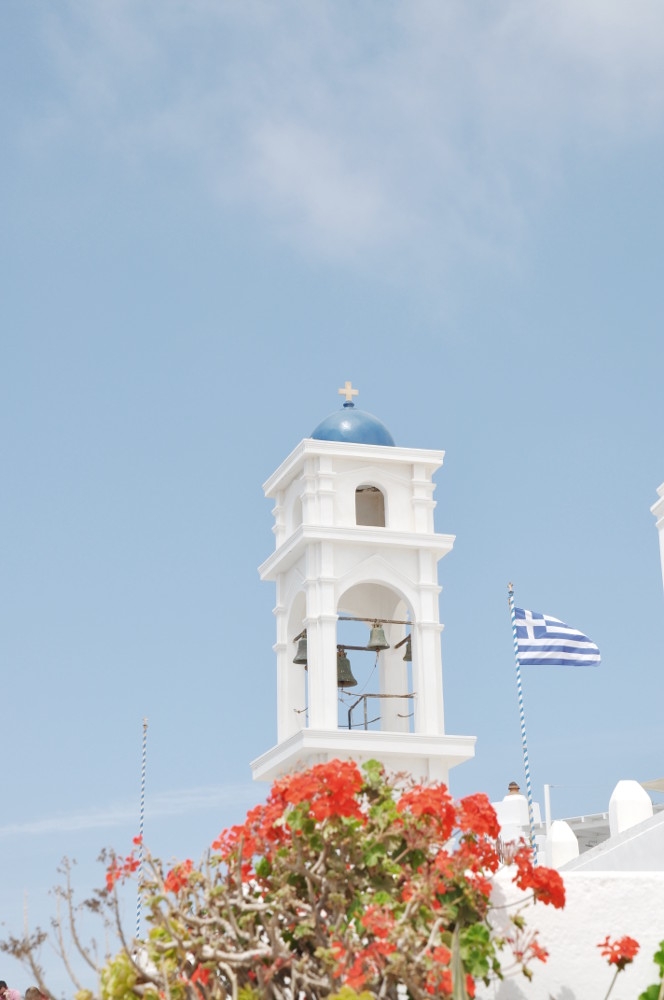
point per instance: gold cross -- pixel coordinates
(348, 392)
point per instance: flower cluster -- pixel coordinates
(345, 882)
(620, 952)
(546, 883)
(120, 869)
(178, 877)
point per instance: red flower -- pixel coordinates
(441, 954)
(378, 920)
(477, 815)
(356, 976)
(120, 869)
(620, 952)
(439, 981)
(477, 855)
(432, 801)
(330, 789)
(200, 975)
(112, 875)
(526, 949)
(178, 877)
(535, 950)
(546, 883)
(367, 965)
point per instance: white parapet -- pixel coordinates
(561, 844)
(629, 804)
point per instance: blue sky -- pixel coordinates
(213, 215)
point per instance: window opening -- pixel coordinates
(369, 506)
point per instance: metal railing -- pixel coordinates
(364, 698)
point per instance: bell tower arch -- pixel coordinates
(358, 578)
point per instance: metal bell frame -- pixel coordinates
(377, 642)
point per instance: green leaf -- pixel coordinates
(477, 950)
(652, 993)
(373, 854)
(263, 868)
(658, 958)
(347, 993)
(248, 993)
(374, 771)
(295, 818)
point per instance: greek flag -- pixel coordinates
(544, 641)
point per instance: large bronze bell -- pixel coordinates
(345, 677)
(301, 652)
(377, 640)
(408, 655)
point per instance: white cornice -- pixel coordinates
(327, 744)
(376, 538)
(385, 454)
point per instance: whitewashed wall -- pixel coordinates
(598, 903)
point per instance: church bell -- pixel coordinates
(408, 655)
(301, 652)
(345, 677)
(377, 640)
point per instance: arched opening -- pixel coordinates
(380, 696)
(369, 506)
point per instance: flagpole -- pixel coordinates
(141, 820)
(522, 719)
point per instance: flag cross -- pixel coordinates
(531, 622)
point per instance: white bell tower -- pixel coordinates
(356, 551)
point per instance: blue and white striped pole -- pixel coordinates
(522, 719)
(141, 823)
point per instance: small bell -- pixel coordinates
(408, 655)
(345, 677)
(301, 652)
(377, 640)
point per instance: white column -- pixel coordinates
(322, 656)
(321, 625)
(427, 678)
(393, 674)
(291, 683)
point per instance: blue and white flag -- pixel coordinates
(544, 641)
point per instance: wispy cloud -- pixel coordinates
(171, 803)
(347, 128)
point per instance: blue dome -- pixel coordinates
(353, 426)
